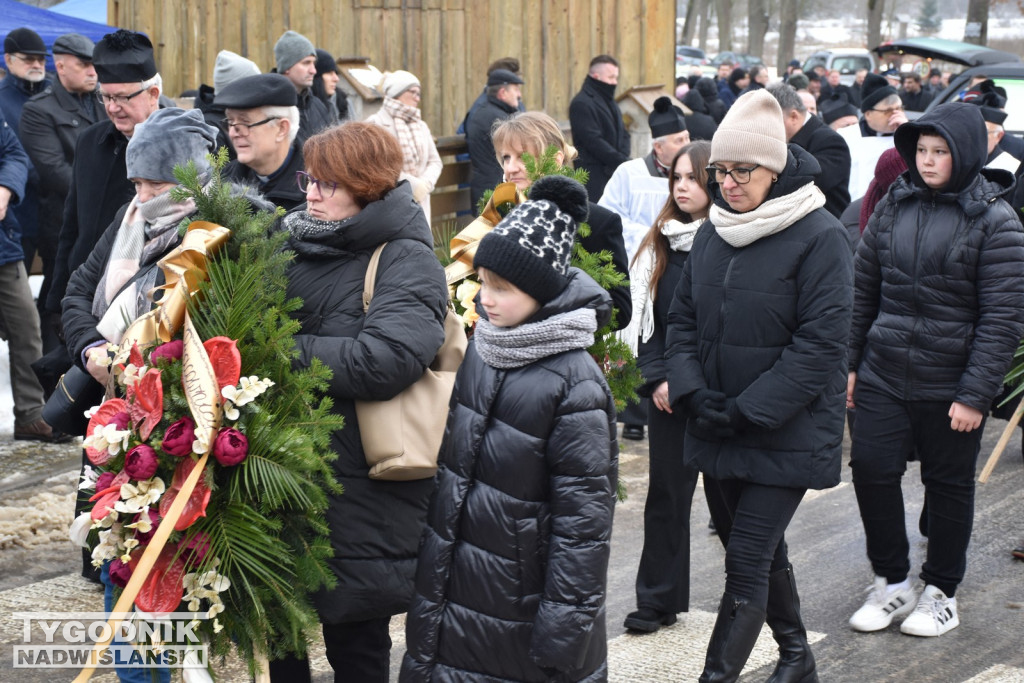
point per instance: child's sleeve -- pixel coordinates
(582, 461)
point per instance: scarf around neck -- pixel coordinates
(774, 215)
(505, 348)
(641, 324)
(406, 118)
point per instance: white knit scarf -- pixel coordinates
(406, 118)
(513, 347)
(775, 215)
(641, 323)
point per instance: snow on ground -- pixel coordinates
(42, 519)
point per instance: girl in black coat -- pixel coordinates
(756, 356)
(937, 317)
(511, 580)
(663, 578)
(354, 203)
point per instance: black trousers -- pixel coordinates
(358, 651)
(663, 578)
(636, 414)
(751, 519)
(887, 431)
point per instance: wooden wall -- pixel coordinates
(446, 43)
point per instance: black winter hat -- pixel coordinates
(707, 89)
(531, 247)
(874, 89)
(666, 118)
(987, 95)
(325, 62)
(24, 40)
(124, 57)
(262, 90)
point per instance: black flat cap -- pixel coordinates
(264, 90)
(74, 44)
(124, 57)
(503, 77)
(24, 40)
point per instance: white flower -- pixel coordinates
(144, 524)
(247, 390)
(467, 290)
(132, 374)
(109, 546)
(108, 438)
(134, 498)
(89, 476)
(79, 531)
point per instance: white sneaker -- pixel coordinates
(884, 604)
(934, 615)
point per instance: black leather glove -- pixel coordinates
(730, 418)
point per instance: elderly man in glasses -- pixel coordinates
(883, 114)
(262, 120)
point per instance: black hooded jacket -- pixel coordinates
(511, 581)
(700, 123)
(939, 306)
(767, 325)
(375, 526)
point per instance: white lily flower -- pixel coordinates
(136, 497)
(108, 438)
(79, 531)
(89, 476)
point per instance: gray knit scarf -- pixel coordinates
(513, 347)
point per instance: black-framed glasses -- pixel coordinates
(740, 176)
(305, 181)
(243, 127)
(119, 100)
(890, 111)
(31, 59)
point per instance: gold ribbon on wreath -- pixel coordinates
(463, 246)
(184, 269)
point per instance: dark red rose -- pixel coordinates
(120, 573)
(172, 351)
(179, 437)
(154, 521)
(195, 549)
(230, 447)
(104, 480)
(141, 462)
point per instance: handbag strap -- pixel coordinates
(371, 276)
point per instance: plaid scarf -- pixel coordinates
(406, 118)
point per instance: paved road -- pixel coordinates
(38, 570)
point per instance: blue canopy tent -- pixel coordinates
(90, 10)
(49, 25)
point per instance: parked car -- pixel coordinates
(846, 60)
(1008, 75)
(952, 51)
(690, 56)
(737, 59)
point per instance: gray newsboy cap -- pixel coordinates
(74, 44)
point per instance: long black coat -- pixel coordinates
(939, 306)
(313, 115)
(599, 133)
(375, 526)
(512, 572)
(281, 188)
(767, 324)
(651, 353)
(606, 235)
(833, 155)
(485, 171)
(99, 187)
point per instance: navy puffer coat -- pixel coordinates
(375, 526)
(939, 306)
(767, 324)
(512, 571)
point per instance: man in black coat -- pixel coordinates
(295, 56)
(51, 123)
(914, 97)
(823, 143)
(503, 93)
(262, 121)
(598, 131)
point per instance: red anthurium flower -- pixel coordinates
(197, 502)
(162, 590)
(227, 361)
(106, 497)
(147, 402)
(135, 356)
(103, 416)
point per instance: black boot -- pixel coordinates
(736, 630)
(796, 662)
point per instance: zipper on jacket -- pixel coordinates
(721, 321)
(909, 381)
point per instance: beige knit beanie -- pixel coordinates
(752, 132)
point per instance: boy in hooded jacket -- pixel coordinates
(938, 314)
(512, 571)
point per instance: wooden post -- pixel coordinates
(1001, 445)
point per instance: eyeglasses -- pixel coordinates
(415, 91)
(305, 181)
(31, 59)
(243, 128)
(119, 100)
(890, 111)
(740, 176)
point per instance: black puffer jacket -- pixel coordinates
(939, 305)
(512, 574)
(767, 324)
(375, 525)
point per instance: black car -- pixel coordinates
(1008, 75)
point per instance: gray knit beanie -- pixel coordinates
(290, 49)
(230, 67)
(168, 138)
(752, 132)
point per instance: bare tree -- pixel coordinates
(757, 26)
(724, 8)
(876, 9)
(787, 32)
(704, 9)
(976, 29)
(688, 24)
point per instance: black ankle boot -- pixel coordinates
(736, 630)
(796, 662)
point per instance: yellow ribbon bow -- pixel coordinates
(463, 246)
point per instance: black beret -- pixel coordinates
(502, 77)
(262, 90)
(74, 44)
(124, 57)
(24, 40)
(836, 111)
(874, 89)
